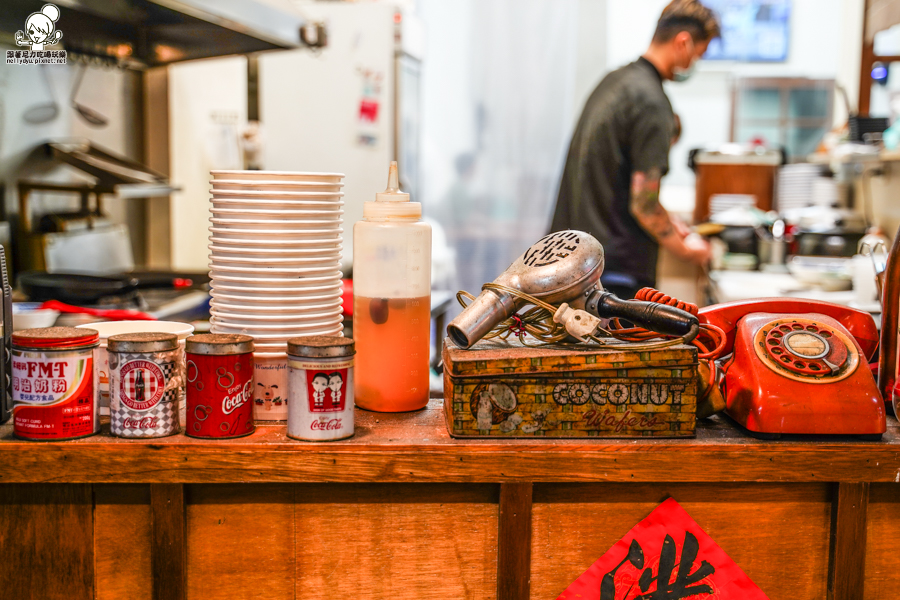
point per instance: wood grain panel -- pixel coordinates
(46, 542)
(167, 541)
(514, 542)
(848, 565)
(122, 542)
(405, 542)
(778, 534)
(883, 542)
(240, 542)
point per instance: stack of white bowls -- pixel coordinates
(275, 256)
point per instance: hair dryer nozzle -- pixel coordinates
(472, 324)
(561, 267)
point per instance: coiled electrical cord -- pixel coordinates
(538, 322)
(712, 344)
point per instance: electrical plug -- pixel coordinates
(579, 323)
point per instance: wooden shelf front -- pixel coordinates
(404, 511)
(415, 447)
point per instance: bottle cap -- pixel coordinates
(392, 193)
(392, 203)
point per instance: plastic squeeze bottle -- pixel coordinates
(392, 302)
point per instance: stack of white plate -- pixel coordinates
(795, 185)
(719, 203)
(275, 256)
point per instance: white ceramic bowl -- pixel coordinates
(279, 337)
(270, 319)
(265, 243)
(317, 235)
(270, 346)
(299, 324)
(285, 214)
(287, 271)
(275, 194)
(233, 175)
(306, 225)
(263, 282)
(282, 204)
(275, 295)
(285, 309)
(30, 315)
(264, 186)
(224, 250)
(264, 293)
(333, 261)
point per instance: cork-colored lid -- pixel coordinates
(218, 344)
(321, 346)
(142, 342)
(55, 337)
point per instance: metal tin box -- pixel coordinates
(498, 390)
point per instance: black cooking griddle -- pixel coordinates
(72, 288)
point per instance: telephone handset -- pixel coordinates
(799, 366)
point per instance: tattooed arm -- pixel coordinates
(655, 220)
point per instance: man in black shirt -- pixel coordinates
(620, 151)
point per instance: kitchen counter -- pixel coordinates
(730, 286)
(402, 510)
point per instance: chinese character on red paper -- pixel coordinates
(667, 556)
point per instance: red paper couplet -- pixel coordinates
(667, 556)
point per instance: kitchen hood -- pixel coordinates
(150, 33)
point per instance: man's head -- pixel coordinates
(682, 34)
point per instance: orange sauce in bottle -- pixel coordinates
(392, 348)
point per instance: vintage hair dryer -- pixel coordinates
(561, 267)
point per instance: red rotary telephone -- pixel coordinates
(799, 366)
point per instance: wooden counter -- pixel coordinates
(404, 511)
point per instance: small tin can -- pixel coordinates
(145, 383)
(320, 388)
(54, 383)
(219, 385)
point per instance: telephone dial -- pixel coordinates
(798, 367)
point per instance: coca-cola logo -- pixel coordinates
(144, 423)
(331, 425)
(141, 384)
(243, 396)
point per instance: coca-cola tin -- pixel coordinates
(219, 385)
(320, 388)
(54, 383)
(145, 383)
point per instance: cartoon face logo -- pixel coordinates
(320, 382)
(268, 391)
(335, 381)
(40, 29)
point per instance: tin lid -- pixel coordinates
(492, 358)
(219, 344)
(142, 342)
(55, 337)
(321, 346)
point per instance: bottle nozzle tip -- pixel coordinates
(393, 178)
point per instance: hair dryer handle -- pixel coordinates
(661, 318)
